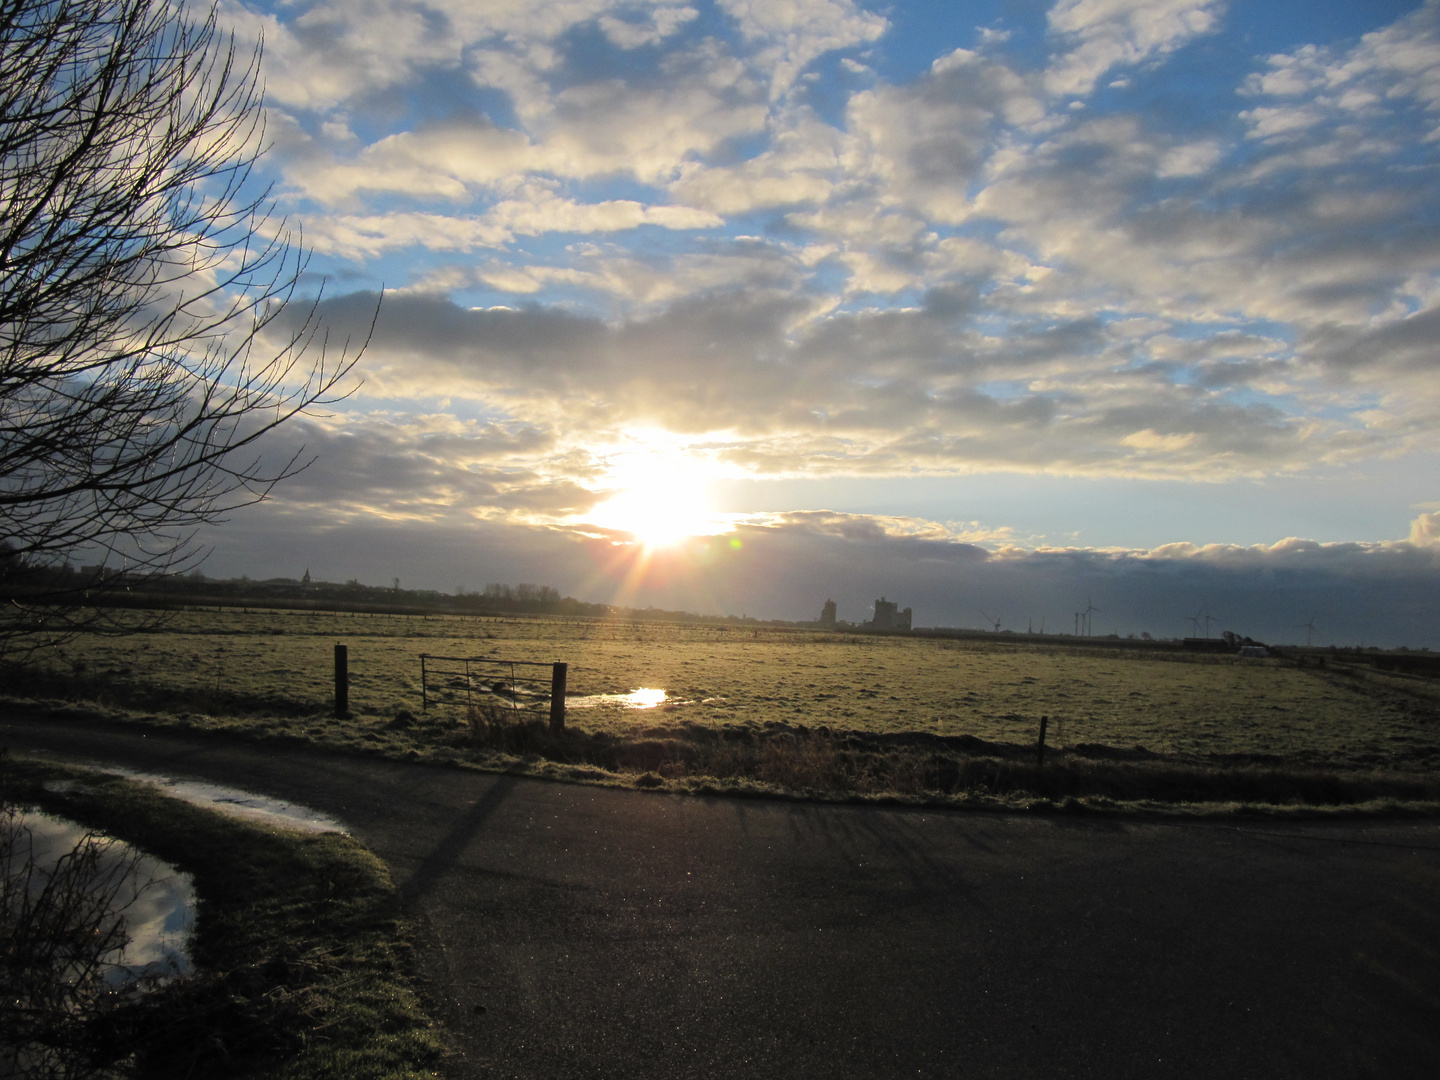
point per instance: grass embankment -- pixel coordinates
(300, 949)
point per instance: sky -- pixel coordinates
(1001, 310)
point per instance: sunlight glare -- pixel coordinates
(660, 498)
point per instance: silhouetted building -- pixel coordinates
(889, 617)
(827, 614)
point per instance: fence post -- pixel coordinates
(1040, 746)
(342, 681)
(424, 697)
(557, 696)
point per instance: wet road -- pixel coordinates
(585, 932)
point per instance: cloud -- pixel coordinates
(1425, 530)
(1102, 34)
(645, 124)
(1317, 87)
(365, 236)
(794, 33)
(538, 210)
(922, 145)
(781, 389)
(1343, 264)
(325, 54)
(680, 217)
(445, 159)
(423, 469)
(1378, 593)
(663, 21)
(613, 127)
(799, 167)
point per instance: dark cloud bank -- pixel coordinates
(1372, 594)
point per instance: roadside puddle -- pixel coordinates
(154, 901)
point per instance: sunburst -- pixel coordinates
(660, 498)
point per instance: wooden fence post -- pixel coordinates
(557, 696)
(342, 681)
(1040, 746)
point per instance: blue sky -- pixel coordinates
(1008, 302)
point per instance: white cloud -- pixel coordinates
(784, 389)
(325, 54)
(447, 159)
(1083, 291)
(800, 166)
(922, 145)
(1102, 34)
(1189, 159)
(593, 131)
(365, 236)
(538, 210)
(663, 21)
(1317, 87)
(613, 128)
(1425, 530)
(793, 33)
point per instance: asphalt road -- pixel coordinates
(586, 932)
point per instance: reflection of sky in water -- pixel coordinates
(161, 900)
(647, 697)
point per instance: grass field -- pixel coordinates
(271, 673)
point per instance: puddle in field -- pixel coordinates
(155, 901)
(233, 801)
(646, 697)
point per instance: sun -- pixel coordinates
(660, 498)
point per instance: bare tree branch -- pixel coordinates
(139, 275)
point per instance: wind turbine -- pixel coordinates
(1090, 610)
(1310, 631)
(1207, 618)
(1195, 621)
(989, 619)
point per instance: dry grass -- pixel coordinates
(832, 764)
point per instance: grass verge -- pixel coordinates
(958, 770)
(302, 955)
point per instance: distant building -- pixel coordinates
(889, 617)
(827, 614)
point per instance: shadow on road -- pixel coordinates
(434, 866)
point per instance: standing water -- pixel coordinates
(140, 907)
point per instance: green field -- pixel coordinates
(209, 666)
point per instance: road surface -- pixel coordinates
(586, 932)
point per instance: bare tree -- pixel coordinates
(141, 274)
